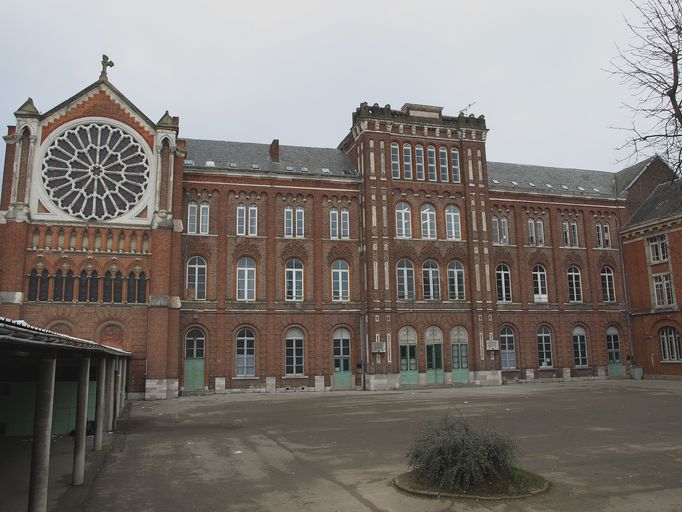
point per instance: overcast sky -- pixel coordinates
(296, 70)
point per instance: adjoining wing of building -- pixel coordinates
(403, 257)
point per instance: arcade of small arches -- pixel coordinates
(90, 239)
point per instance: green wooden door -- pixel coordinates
(613, 349)
(460, 363)
(409, 373)
(195, 343)
(343, 375)
(435, 374)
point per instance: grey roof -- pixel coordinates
(663, 202)
(533, 178)
(243, 156)
(627, 176)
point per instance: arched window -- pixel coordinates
(456, 281)
(192, 217)
(58, 287)
(452, 223)
(293, 280)
(405, 280)
(196, 279)
(195, 344)
(579, 346)
(142, 288)
(132, 288)
(407, 162)
(68, 287)
(544, 337)
(428, 221)
(613, 345)
(246, 353)
(341, 347)
(507, 348)
(93, 287)
(575, 287)
(670, 344)
(431, 280)
(395, 161)
(246, 279)
(539, 284)
(443, 160)
(340, 281)
(203, 226)
(459, 340)
(503, 281)
(43, 285)
(419, 161)
(294, 352)
(403, 221)
(83, 287)
(33, 285)
(407, 337)
(454, 159)
(108, 287)
(118, 287)
(608, 287)
(431, 154)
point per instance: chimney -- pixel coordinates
(274, 150)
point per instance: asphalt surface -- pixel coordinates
(606, 446)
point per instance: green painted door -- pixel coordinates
(409, 373)
(435, 374)
(613, 349)
(195, 343)
(343, 375)
(460, 363)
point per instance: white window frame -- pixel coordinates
(300, 222)
(241, 219)
(288, 221)
(246, 279)
(453, 225)
(428, 218)
(575, 241)
(544, 339)
(403, 220)
(444, 164)
(407, 161)
(540, 226)
(575, 284)
(658, 249)
(540, 284)
(431, 158)
(204, 216)
(598, 235)
(340, 281)
(503, 283)
(566, 232)
(663, 290)
(405, 280)
(531, 232)
(395, 160)
(192, 217)
(246, 353)
(431, 280)
(294, 352)
(293, 280)
(196, 277)
(253, 219)
(507, 348)
(419, 161)
(579, 347)
(456, 288)
(454, 162)
(608, 284)
(669, 339)
(334, 223)
(345, 223)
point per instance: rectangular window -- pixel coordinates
(658, 249)
(395, 161)
(419, 162)
(663, 288)
(574, 234)
(531, 232)
(345, 223)
(431, 153)
(598, 235)
(540, 226)
(607, 236)
(443, 156)
(288, 221)
(454, 158)
(504, 231)
(495, 230)
(407, 162)
(333, 223)
(253, 220)
(565, 230)
(300, 229)
(241, 219)
(246, 357)
(191, 217)
(294, 357)
(203, 230)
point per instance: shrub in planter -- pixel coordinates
(458, 457)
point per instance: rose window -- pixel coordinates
(95, 171)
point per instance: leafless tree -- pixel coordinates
(650, 66)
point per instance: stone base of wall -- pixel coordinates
(382, 382)
(160, 389)
(487, 378)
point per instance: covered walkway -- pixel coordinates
(51, 384)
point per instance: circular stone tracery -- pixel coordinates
(95, 171)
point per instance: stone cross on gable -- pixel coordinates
(106, 63)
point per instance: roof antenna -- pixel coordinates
(465, 109)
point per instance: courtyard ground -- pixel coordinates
(606, 445)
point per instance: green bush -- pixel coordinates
(458, 457)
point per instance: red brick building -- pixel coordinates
(402, 257)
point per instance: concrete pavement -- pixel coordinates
(606, 445)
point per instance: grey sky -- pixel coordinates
(256, 70)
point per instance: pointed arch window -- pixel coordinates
(132, 288)
(68, 286)
(83, 287)
(58, 287)
(108, 291)
(43, 285)
(93, 287)
(33, 285)
(142, 288)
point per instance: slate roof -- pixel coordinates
(663, 202)
(627, 176)
(243, 156)
(533, 178)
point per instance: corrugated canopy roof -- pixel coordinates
(18, 332)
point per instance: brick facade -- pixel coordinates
(241, 213)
